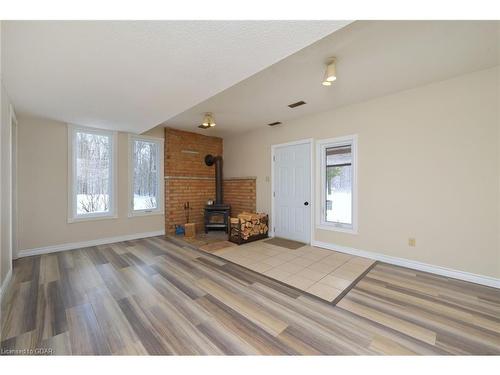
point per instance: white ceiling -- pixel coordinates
(133, 75)
(374, 58)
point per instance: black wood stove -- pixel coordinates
(217, 214)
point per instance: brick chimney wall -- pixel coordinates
(240, 193)
(189, 179)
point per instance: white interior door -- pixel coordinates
(292, 192)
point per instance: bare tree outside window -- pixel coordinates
(93, 173)
(338, 185)
(146, 173)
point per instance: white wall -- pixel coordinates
(43, 190)
(429, 168)
(5, 184)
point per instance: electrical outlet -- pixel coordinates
(412, 242)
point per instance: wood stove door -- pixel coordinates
(216, 220)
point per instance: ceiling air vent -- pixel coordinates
(293, 105)
(274, 123)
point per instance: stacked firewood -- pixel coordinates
(250, 224)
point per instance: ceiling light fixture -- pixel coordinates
(330, 72)
(208, 121)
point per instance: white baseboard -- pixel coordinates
(5, 284)
(438, 270)
(78, 245)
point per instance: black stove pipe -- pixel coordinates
(217, 160)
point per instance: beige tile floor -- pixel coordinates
(323, 273)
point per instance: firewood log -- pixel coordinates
(245, 216)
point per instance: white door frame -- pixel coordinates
(13, 181)
(312, 202)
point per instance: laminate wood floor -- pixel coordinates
(151, 296)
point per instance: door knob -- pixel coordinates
(306, 203)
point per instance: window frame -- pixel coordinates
(161, 183)
(73, 215)
(321, 146)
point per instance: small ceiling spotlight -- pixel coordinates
(208, 121)
(330, 72)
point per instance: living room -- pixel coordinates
(259, 188)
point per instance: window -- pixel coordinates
(337, 161)
(146, 175)
(92, 173)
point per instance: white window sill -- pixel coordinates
(335, 228)
(145, 213)
(91, 218)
